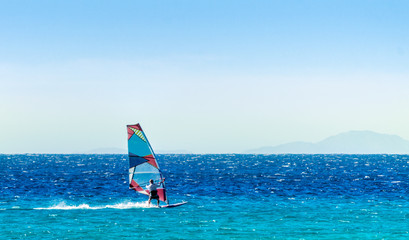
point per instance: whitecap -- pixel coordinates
(123, 205)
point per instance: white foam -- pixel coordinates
(123, 205)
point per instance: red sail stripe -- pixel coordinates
(135, 186)
(151, 160)
(130, 133)
(136, 126)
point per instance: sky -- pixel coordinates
(199, 76)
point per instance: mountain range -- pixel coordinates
(353, 142)
(125, 151)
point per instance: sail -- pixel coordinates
(142, 163)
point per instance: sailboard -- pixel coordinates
(143, 165)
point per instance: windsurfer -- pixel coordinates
(153, 190)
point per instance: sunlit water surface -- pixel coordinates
(230, 197)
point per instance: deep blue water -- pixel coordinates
(230, 197)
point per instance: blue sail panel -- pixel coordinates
(135, 160)
(138, 147)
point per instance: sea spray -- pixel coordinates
(122, 205)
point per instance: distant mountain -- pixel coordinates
(124, 151)
(180, 151)
(107, 151)
(353, 142)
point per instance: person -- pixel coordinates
(153, 191)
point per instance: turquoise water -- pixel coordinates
(230, 197)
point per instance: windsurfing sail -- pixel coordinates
(142, 163)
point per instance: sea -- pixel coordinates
(230, 196)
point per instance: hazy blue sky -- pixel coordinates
(203, 76)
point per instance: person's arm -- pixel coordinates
(161, 182)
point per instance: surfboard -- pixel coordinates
(173, 205)
(143, 165)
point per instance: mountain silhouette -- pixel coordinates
(353, 142)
